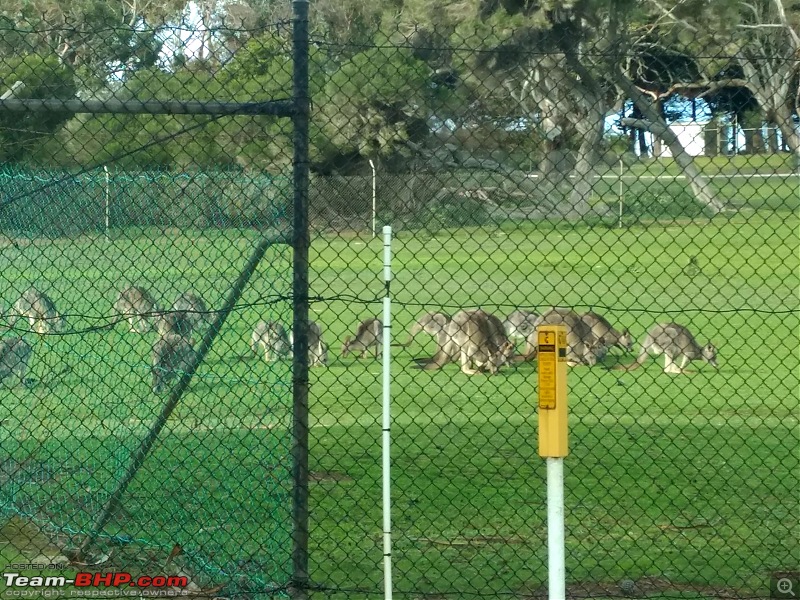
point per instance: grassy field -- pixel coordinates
(690, 480)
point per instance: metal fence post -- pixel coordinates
(300, 302)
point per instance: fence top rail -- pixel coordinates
(279, 108)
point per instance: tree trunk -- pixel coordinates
(784, 120)
(758, 140)
(656, 124)
(639, 136)
(711, 141)
(644, 150)
(579, 205)
(772, 134)
(703, 192)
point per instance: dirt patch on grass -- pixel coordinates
(322, 476)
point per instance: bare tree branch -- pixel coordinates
(668, 13)
(789, 29)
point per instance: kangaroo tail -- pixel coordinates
(439, 360)
(405, 344)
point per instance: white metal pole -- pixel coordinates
(557, 574)
(387, 415)
(374, 203)
(108, 202)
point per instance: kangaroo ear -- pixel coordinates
(625, 331)
(601, 341)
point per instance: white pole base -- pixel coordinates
(556, 570)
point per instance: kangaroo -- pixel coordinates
(673, 341)
(14, 356)
(602, 329)
(583, 347)
(317, 348)
(368, 335)
(174, 323)
(477, 339)
(172, 355)
(519, 324)
(432, 323)
(270, 338)
(137, 305)
(193, 307)
(39, 310)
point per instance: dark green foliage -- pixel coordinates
(43, 76)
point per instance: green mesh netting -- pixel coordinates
(217, 482)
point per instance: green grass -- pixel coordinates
(692, 479)
(713, 165)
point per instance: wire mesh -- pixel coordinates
(616, 173)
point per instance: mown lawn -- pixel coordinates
(692, 479)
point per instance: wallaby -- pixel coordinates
(432, 323)
(317, 348)
(368, 335)
(477, 339)
(172, 356)
(193, 307)
(603, 329)
(674, 342)
(39, 310)
(270, 338)
(138, 306)
(583, 347)
(14, 355)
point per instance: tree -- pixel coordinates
(753, 45)
(376, 102)
(94, 37)
(768, 52)
(22, 135)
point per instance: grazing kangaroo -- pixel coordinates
(39, 310)
(172, 356)
(317, 348)
(193, 307)
(368, 335)
(477, 339)
(14, 355)
(270, 338)
(519, 324)
(137, 305)
(602, 329)
(674, 342)
(173, 323)
(583, 347)
(432, 323)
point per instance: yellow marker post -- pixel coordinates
(553, 446)
(552, 391)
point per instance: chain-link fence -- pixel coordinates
(166, 411)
